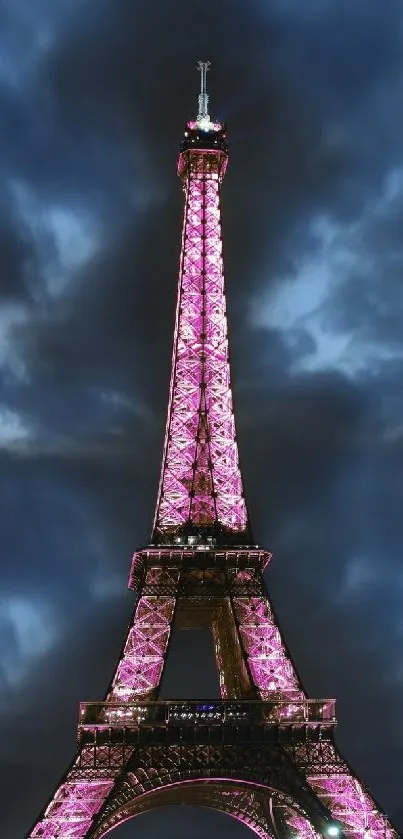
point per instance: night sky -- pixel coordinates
(94, 97)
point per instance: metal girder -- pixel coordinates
(279, 739)
(200, 479)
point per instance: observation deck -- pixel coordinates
(240, 718)
(243, 560)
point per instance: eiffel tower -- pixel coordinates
(265, 752)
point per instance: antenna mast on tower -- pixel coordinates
(203, 114)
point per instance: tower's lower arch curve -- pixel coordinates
(267, 812)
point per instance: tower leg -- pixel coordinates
(349, 801)
(324, 768)
(265, 756)
(139, 670)
(79, 796)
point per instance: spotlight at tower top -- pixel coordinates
(203, 121)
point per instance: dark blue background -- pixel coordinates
(94, 97)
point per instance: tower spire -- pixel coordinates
(201, 494)
(203, 115)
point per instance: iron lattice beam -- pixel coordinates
(201, 484)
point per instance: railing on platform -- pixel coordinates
(242, 712)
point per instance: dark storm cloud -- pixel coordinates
(16, 255)
(93, 103)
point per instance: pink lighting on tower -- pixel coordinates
(202, 567)
(201, 482)
(299, 827)
(270, 666)
(71, 811)
(139, 670)
(351, 805)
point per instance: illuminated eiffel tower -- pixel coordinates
(264, 753)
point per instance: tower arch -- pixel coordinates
(266, 812)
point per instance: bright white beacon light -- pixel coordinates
(204, 124)
(333, 831)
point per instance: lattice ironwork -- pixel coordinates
(266, 813)
(265, 754)
(138, 673)
(71, 810)
(157, 777)
(201, 481)
(190, 713)
(351, 804)
(271, 668)
(298, 825)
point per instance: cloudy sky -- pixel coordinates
(94, 95)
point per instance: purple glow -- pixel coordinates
(270, 667)
(70, 812)
(139, 670)
(213, 126)
(300, 828)
(200, 478)
(351, 805)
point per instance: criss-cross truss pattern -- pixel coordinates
(270, 666)
(263, 753)
(129, 733)
(139, 670)
(71, 811)
(201, 481)
(352, 805)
